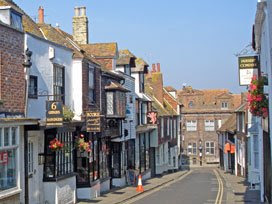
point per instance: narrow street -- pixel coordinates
(198, 187)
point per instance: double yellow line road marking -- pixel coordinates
(220, 193)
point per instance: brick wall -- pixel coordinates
(206, 106)
(12, 80)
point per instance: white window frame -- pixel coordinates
(255, 148)
(168, 126)
(91, 84)
(175, 128)
(171, 128)
(209, 125)
(189, 148)
(224, 105)
(208, 149)
(162, 128)
(11, 146)
(194, 147)
(30, 157)
(191, 125)
(110, 100)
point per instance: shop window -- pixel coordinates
(94, 165)
(142, 153)
(131, 154)
(147, 150)
(209, 148)
(30, 157)
(33, 87)
(58, 83)
(116, 160)
(104, 159)
(8, 158)
(58, 163)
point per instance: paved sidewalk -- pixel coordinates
(238, 190)
(117, 196)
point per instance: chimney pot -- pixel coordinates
(158, 67)
(41, 14)
(153, 68)
(83, 11)
(76, 11)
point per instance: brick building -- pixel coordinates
(13, 124)
(203, 112)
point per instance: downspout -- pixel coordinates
(26, 165)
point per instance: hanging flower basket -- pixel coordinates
(55, 145)
(257, 101)
(82, 145)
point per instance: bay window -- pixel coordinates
(116, 103)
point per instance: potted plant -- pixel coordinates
(82, 145)
(55, 145)
(257, 100)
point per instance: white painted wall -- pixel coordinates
(42, 67)
(77, 88)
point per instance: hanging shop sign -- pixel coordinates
(152, 117)
(93, 121)
(248, 66)
(54, 113)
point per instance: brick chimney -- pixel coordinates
(158, 67)
(153, 68)
(80, 26)
(41, 15)
(156, 82)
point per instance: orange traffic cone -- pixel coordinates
(140, 185)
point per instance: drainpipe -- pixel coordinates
(26, 165)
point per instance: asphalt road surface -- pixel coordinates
(201, 186)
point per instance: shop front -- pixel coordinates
(12, 161)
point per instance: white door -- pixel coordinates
(33, 182)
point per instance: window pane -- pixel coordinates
(110, 103)
(6, 137)
(13, 134)
(8, 169)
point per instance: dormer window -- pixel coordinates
(224, 105)
(11, 17)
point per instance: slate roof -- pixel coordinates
(103, 50)
(229, 125)
(125, 57)
(164, 109)
(141, 66)
(116, 86)
(170, 89)
(28, 24)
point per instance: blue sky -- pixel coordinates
(195, 41)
